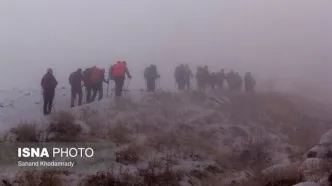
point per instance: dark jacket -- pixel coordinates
(151, 73)
(49, 82)
(87, 77)
(75, 79)
(110, 75)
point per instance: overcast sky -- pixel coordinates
(275, 38)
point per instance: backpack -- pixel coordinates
(95, 76)
(153, 71)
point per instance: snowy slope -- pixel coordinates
(233, 134)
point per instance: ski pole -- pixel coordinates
(127, 86)
(107, 88)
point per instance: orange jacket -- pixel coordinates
(119, 70)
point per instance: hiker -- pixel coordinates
(249, 82)
(220, 79)
(48, 83)
(238, 82)
(98, 78)
(119, 71)
(151, 75)
(110, 75)
(202, 77)
(213, 80)
(180, 77)
(199, 78)
(75, 80)
(87, 83)
(230, 78)
(188, 76)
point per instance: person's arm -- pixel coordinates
(127, 72)
(42, 83)
(71, 79)
(106, 81)
(55, 82)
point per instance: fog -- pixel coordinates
(283, 39)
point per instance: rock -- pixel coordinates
(285, 173)
(328, 154)
(312, 168)
(330, 177)
(312, 154)
(318, 151)
(311, 163)
(194, 181)
(85, 128)
(326, 138)
(238, 132)
(307, 184)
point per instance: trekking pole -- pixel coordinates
(107, 88)
(112, 90)
(83, 94)
(127, 86)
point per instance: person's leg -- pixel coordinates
(94, 94)
(149, 85)
(119, 86)
(80, 96)
(45, 97)
(153, 85)
(88, 94)
(73, 97)
(188, 85)
(50, 103)
(182, 84)
(101, 91)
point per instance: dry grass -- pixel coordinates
(39, 179)
(160, 172)
(63, 128)
(130, 154)
(110, 179)
(26, 132)
(192, 144)
(120, 134)
(254, 155)
(188, 144)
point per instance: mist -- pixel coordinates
(289, 40)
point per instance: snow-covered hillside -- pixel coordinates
(189, 138)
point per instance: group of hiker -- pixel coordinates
(94, 77)
(206, 80)
(91, 78)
